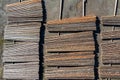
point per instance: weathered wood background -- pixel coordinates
(71, 8)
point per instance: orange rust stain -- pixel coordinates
(73, 20)
(71, 57)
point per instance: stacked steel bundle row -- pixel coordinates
(110, 49)
(70, 55)
(22, 34)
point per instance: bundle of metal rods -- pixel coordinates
(70, 55)
(22, 33)
(110, 48)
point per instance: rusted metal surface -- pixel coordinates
(23, 32)
(70, 36)
(110, 72)
(70, 59)
(72, 24)
(21, 71)
(29, 58)
(67, 47)
(23, 28)
(111, 53)
(111, 20)
(21, 49)
(26, 11)
(71, 42)
(73, 20)
(111, 34)
(70, 51)
(70, 73)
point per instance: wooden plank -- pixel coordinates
(70, 47)
(21, 49)
(109, 72)
(69, 59)
(72, 8)
(110, 53)
(111, 20)
(70, 73)
(81, 36)
(111, 34)
(21, 71)
(72, 24)
(23, 32)
(30, 58)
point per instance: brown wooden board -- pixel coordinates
(69, 59)
(109, 72)
(111, 20)
(21, 71)
(69, 73)
(110, 53)
(72, 24)
(23, 32)
(111, 34)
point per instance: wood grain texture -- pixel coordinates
(23, 32)
(72, 8)
(111, 53)
(111, 20)
(110, 72)
(21, 71)
(70, 59)
(70, 73)
(111, 34)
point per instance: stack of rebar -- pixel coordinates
(21, 49)
(70, 55)
(110, 49)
